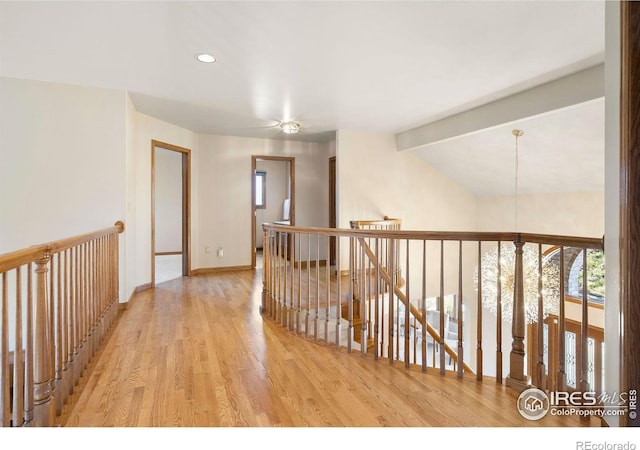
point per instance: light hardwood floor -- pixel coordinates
(196, 352)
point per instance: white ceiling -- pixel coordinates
(562, 151)
(375, 66)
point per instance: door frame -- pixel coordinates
(186, 206)
(629, 237)
(292, 210)
(333, 203)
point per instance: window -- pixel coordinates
(573, 258)
(261, 189)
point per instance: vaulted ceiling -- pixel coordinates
(379, 66)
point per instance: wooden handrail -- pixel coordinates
(465, 236)
(64, 244)
(68, 290)
(13, 260)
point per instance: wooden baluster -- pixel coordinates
(84, 290)
(88, 305)
(90, 302)
(339, 302)
(266, 272)
(392, 272)
(584, 329)
(351, 298)
(279, 273)
(479, 356)
(77, 363)
(100, 308)
(382, 306)
(18, 357)
(107, 304)
(441, 309)
(91, 298)
(363, 299)
(517, 378)
(43, 367)
(561, 378)
(316, 323)
(307, 320)
(110, 304)
(67, 328)
(52, 327)
(5, 405)
(28, 356)
(377, 293)
(372, 302)
(540, 367)
(288, 299)
(58, 344)
(292, 251)
(328, 292)
(299, 313)
(498, 316)
(396, 312)
(459, 313)
(265, 269)
(407, 307)
(272, 265)
(276, 275)
(424, 306)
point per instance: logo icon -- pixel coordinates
(533, 404)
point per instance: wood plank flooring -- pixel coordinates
(196, 352)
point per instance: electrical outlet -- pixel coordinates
(220, 252)
(207, 249)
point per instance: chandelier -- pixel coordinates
(507, 263)
(504, 259)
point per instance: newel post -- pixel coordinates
(517, 378)
(42, 345)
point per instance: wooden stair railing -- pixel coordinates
(349, 307)
(386, 224)
(414, 311)
(58, 300)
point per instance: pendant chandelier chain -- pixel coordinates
(517, 134)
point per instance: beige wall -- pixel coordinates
(223, 192)
(62, 153)
(572, 214)
(62, 162)
(375, 180)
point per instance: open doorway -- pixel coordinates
(272, 198)
(170, 207)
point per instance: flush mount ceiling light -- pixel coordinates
(205, 58)
(290, 127)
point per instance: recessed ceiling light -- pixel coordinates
(205, 58)
(290, 127)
